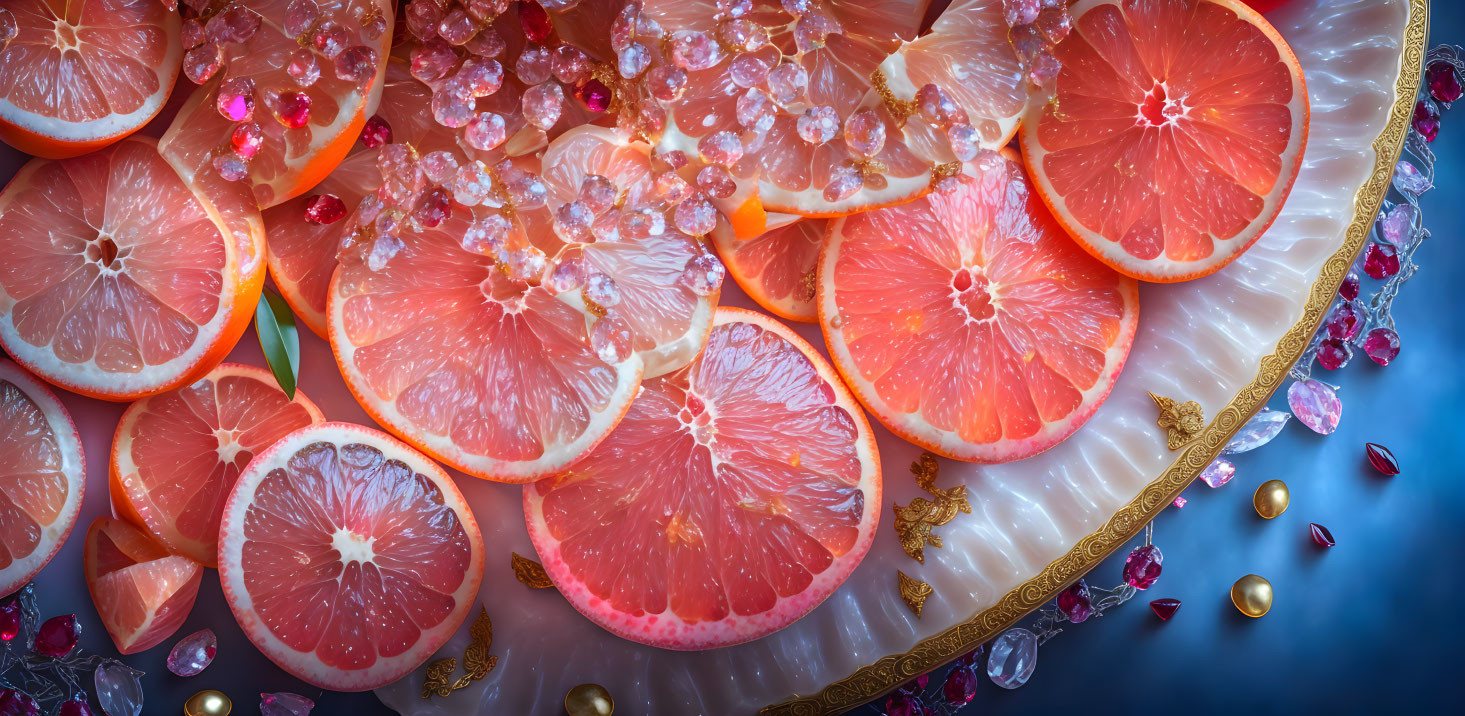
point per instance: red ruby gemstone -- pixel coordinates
(535, 20)
(1426, 120)
(1381, 459)
(16, 703)
(1165, 608)
(376, 132)
(1333, 353)
(293, 109)
(76, 707)
(1381, 345)
(960, 687)
(1142, 566)
(324, 209)
(57, 636)
(1345, 320)
(594, 95)
(1444, 81)
(434, 209)
(1381, 261)
(10, 616)
(1076, 602)
(1349, 288)
(903, 704)
(246, 140)
(1321, 535)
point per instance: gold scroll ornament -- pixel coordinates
(529, 572)
(913, 592)
(477, 662)
(913, 522)
(1181, 421)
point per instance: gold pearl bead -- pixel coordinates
(208, 703)
(589, 700)
(1271, 499)
(1252, 595)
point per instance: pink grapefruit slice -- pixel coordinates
(176, 455)
(736, 495)
(347, 557)
(42, 476)
(969, 323)
(1172, 135)
(142, 593)
(778, 267)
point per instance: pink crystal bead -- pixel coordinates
(303, 68)
(671, 188)
(299, 16)
(1443, 80)
(1165, 608)
(423, 17)
(200, 63)
(324, 209)
(376, 132)
(864, 132)
(1142, 566)
(610, 338)
(1077, 602)
(235, 24)
(570, 64)
(230, 166)
(594, 95)
(191, 33)
(695, 51)
(695, 216)
(597, 193)
(284, 703)
(748, 70)
(432, 60)
(452, 105)
(487, 235)
(755, 110)
(235, 100)
(1381, 261)
(1381, 345)
(292, 109)
(1218, 473)
(1180, 501)
(1381, 458)
(534, 65)
(57, 636)
(720, 148)
(1020, 12)
(17, 703)
(965, 141)
(1316, 405)
(787, 82)
(542, 104)
(667, 83)
(434, 207)
(961, 686)
(536, 22)
(1397, 226)
(1333, 354)
(472, 185)
(703, 274)
(1321, 535)
(844, 182)
(1026, 43)
(480, 77)
(330, 39)
(1054, 23)
(1045, 68)
(457, 27)
(716, 181)
(193, 653)
(633, 60)
(246, 139)
(937, 106)
(572, 221)
(356, 64)
(818, 125)
(485, 131)
(1426, 120)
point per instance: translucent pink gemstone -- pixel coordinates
(1381, 345)
(284, 703)
(1142, 566)
(1321, 535)
(864, 132)
(1179, 501)
(423, 17)
(735, 8)
(356, 64)
(1349, 288)
(633, 60)
(324, 209)
(525, 188)
(695, 216)
(193, 653)
(457, 27)
(668, 159)
(703, 274)
(748, 70)
(485, 131)
(787, 82)
(965, 141)
(384, 248)
(57, 636)
(1045, 69)
(1165, 608)
(472, 185)
(434, 208)
(487, 235)
(191, 32)
(1344, 320)
(937, 107)
(610, 338)
(1333, 354)
(720, 148)
(1316, 405)
(695, 51)
(480, 77)
(716, 181)
(796, 7)
(594, 95)
(844, 182)
(597, 193)
(1218, 473)
(330, 39)
(1409, 180)
(1076, 602)
(811, 30)
(452, 105)
(534, 65)
(299, 16)
(1026, 43)
(741, 34)
(235, 100)
(960, 686)
(1426, 120)
(1380, 457)
(536, 22)
(432, 60)
(1443, 80)
(818, 125)
(641, 223)
(671, 188)
(623, 28)
(235, 24)
(230, 166)
(904, 704)
(667, 83)
(755, 110)
(602, 289)
(570, 64)
(439, 167)
(200, 63)
(1055, 23)
(1381, 261)
(1019, 12)
(292, 109)
(567, 275)
(1397, 226)
(303, 68)
(486, 44)
(607, 226)
(542, 104)
(572, 221)
(376, 132)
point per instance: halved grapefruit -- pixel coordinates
(142, 593)
(176, 455)
(735, 496)
(119, 280)
(42, 476)
(968, 323)
(81, 75)
(778, 267)
(1172, 135)
(347, 557)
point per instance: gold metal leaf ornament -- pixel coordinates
(1181, 421)
(913, 592)
(436, 682)
(913, 522)
(529, 572)
(477, 662)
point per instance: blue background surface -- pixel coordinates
(1368, 625)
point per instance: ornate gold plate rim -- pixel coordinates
(869, 682)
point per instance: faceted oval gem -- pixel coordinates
(1316, 405)
(1381, 458)
(1142, 567)
(119, 690)
(1381, 345)
(1014, 655)
(193, 653)
(1443, 80)
(57, 636)
(1321, 535)
(1260, 430)
(961, 686)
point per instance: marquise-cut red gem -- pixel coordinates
(324, 209)
(1321, 535)
(1443, 81)
(1381, 459)
(57, 636)
(1165, 608)
(535, 20)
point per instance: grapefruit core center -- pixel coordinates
(972, 294)
(1159, 109)
(104, 251)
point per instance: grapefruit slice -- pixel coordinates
(175, 455)
(119, 280)
(1173, 135)
(81, 75)
(668, 320)
(778, 267)
(735, 496)
(347, 557)
(142, 593)
(968, 323)
(494, 376)
(303, 128)
(42, 476)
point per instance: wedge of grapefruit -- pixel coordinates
(735, 496)
(81, 75)
(1172, 135)
(176, 455)
(120, 280)
(142, 593)
(494, 376)
(302, 121)
(968, 323)
(347, 557)
(42, 476)
(778, 267)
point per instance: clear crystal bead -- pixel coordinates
(642, 223)
(570, 64)
(703, 274)
(572, 221)
(230, 166)
(864, 132)
(720, 148)
(457, 27)
(432, 60)
(671, 188)
(481, 77)
(716, 181)
(602, 289)
(633, 60)
(356, 64)
(667, 83)
(299, 16)
(965, 141)
(610, 338)
(486, 236)
(696, 216)
(383, 249)
(535, 65)
(937, 106)
(755, 110)
(451, 106)
(119, 688)
(330, 38)
(818, 125)
(787, 82)
(542, 104)
(1013, 657)
(472, 184)
(568, 275)
(485, 131)
(748, 70)
(303, 68)
(527, 264)
(597, 193)
(695, 51)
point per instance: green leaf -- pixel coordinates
(279, 339)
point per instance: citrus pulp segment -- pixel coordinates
(176, 455)
(778, 267)
(119, 280)
(1172, 135)
(347, 557)
(736, 495)
(42, 476)
(969, 323)
(142, 593)
(81, 75)
(492, 375)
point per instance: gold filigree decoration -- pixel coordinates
(913, 522)
(899, 108)
(594, 308)
(808, 286)
(942, 171)
(529, 572)
(477, 662)
(888, 672)
(913, 592)
(1181, 421)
